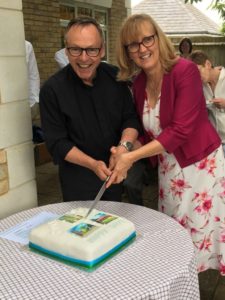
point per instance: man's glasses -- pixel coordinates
(77, 51)
(147, 41)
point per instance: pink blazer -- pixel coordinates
(186, 130)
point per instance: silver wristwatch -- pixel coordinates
(128, 145)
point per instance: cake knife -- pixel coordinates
(98, 197)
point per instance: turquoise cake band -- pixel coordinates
(88, 264)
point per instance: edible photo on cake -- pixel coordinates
(70, 218)
(103, 218)
(83, 229)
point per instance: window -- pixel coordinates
(101, 17)
(69, 10)
(66, 12)
(84, 11)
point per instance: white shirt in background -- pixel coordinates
(33, 74)
(61, 58)
(216, 115)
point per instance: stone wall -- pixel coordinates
(17, 172)
(4, 176)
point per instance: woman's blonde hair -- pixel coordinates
(129, 32)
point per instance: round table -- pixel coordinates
(160, 264)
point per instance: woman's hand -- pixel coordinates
(125, 161)
(123, 164)
(115, 154)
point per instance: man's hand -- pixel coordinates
(76, 156)
(101, 170)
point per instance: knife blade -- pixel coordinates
(98, 197)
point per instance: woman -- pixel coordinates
(185, 47)
(168, 96)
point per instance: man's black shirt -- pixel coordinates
(91, 118)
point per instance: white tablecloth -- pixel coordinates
(160, 264)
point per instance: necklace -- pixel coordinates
(153, 90)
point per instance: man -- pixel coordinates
(85, 111)
(213, 79)
(134, 183)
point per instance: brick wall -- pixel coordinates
(42, 29)
(117, 14)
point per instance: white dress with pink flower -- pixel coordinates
(194, 196)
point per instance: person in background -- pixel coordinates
(185, 47)
(213, 79)
(33, 92)
(61, 58)
(177, 134)
(33, 80)
(84, 112)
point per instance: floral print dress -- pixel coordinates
(194, 196)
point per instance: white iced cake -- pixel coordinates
(85, 241)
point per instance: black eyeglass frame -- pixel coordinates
(87, 51)
(143, 42)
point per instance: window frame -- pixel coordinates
(93, 8)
